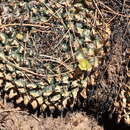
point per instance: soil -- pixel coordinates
(14, 119)
(98, 114)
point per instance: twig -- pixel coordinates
(10, 110)
(112, 11)
(127, 16)
(60, 62)
(36, 118)
(61, 39)
(111, 19)
(123, 5)
(98, 8)
(28, 71)
(28, 24)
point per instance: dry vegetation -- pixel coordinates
(102, 109)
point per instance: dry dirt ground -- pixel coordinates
(117, 13)
(13, 119)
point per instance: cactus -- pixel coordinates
(43, 61)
